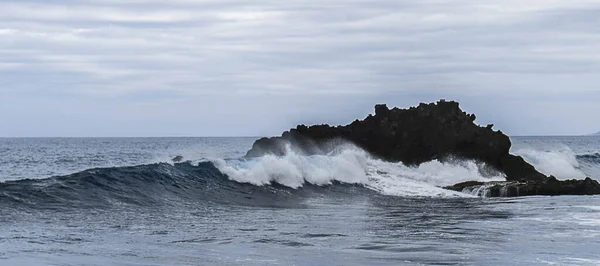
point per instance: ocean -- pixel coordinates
(122, 201)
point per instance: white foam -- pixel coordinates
(354, 166)
(561, 162)
(584, 260)
(595, 208)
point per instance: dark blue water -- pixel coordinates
(121, 202)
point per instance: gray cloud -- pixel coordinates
(188, 67)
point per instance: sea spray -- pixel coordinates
(352, 165)
(560, 162)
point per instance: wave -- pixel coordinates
(268, 180)
(591, 157)
(144, 185)
(352, 165)
(562, 162)
(590, 164)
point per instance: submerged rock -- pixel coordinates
(420, 134)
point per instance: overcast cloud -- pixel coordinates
(249, 68)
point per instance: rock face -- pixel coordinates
(413, 136)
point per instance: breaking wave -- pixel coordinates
(268, 180)
(352, 165)
(562, 162)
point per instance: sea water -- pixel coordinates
(122, 201)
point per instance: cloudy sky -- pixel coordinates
(251, 68)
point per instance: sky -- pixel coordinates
(256, 68)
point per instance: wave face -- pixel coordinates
(268, 180)
(590, 163)
(145, 185)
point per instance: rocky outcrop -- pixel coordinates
(419, 134)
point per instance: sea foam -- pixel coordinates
(349, 164)
(560, 162)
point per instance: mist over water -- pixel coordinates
(122, 202)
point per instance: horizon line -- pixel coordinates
(89, 137)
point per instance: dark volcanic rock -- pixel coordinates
(549, 187)
(413, 136)
(417, 135)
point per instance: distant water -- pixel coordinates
(120, 201)
(22, 158)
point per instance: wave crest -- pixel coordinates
(349, 164)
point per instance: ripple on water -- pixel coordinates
(322, 235)
(248, 229)
(163, 232)
(282, 242)
(200, 240)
